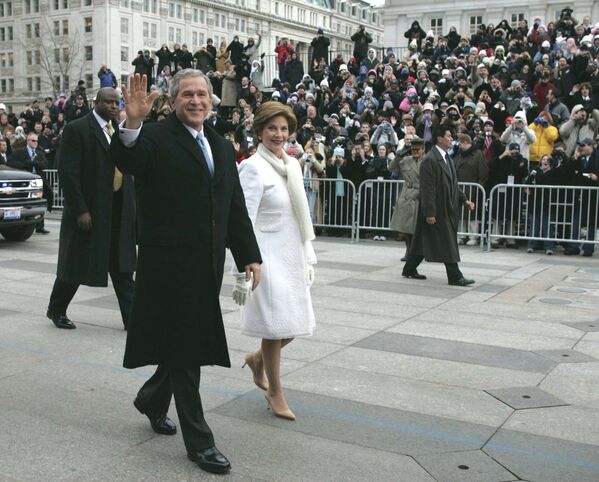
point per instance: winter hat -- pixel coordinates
(428, 106)
(490, 122)
(516, 84)
(388, 105)
(324, 83)
(343, 67)
(474, 50)
(470, 105)
(320, 31)
(546, 44)
(368, 90)
(339, 151)
(444, 72)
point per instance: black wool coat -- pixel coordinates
(439, 197)
(186, 221)
(86, 174)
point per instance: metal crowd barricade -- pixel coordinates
(472, 224)
(375, 204)
(332, 204)
(52, 177)
(377, 200)
(543, 213)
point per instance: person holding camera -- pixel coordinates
(585, 172)
(361, 40)
(546, 135)
(144, 65)
(582, 124)
(509, 168)
(519, 133)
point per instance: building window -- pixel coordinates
(437, 26)
(2, 34)
(194, 39)
(153, 31)
(87, 3)
(475, 22)
(171, 34)
(124, 54)
(516, 18)
(27, 6)
(9, 33)
(29, 84)
(11, 85)
(179, 11)
(37, 57)
(88, 24)
(124, 26)
(36, 6)
(57, 56)
(65, 83)
(3, 86)
(354, 11)
(202, 16)
(196, 15)
(65, 27)
(65, 54)
(145, 30)
(171, 9)
(29, 55)
(276, 8)
(89, 52)
(38, 84)
(56, 29)
(89, 81)
(125, 3)
(178, 36)
(28, 30)
(65, 4)
(343, 7)
(56, 4)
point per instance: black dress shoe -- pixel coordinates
(211, 460)
(461, 282)
(61, 321)
(160, 423)
(42, 231)
(414, 275)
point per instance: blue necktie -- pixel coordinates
(201, 142)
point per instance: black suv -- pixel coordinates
(21, 203)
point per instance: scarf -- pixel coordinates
(288, 168)
(428, 133)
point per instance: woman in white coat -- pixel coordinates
(281, 309)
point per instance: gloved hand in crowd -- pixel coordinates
(242, 289)
(310, 275)
(542, 121)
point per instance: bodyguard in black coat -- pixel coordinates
(33, 159)
(435, 238)
(191, 206)
(97, 232)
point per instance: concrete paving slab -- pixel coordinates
(457, 403)
(566, 356)
(574, 423)
(481, 334)
(403, 288)
(471, 466)
(359, 268)
(28, 265)
(588, 347)
(373, 426)
(374, 314)
(520, 398)
(498, 322)
(442, 372)
(546, 459)
(574, 383)
(477, 354)
(585, 326)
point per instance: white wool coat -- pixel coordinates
(281, 306)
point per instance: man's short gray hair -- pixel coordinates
(184, 74)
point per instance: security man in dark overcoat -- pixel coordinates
(97, 232)
(435, 238)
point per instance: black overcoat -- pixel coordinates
(186, 221)
(439, 197)
(86, 174)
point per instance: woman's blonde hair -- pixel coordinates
(268, 111)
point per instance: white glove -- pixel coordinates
(242, 289)
(310, 275)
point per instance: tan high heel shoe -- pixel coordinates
(259, 378)
(286, 414)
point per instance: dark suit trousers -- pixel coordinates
(452, 269)
(63, 292)
(184, 384)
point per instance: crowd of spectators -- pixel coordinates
(523, 101)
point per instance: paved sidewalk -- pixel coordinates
(405, 380)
